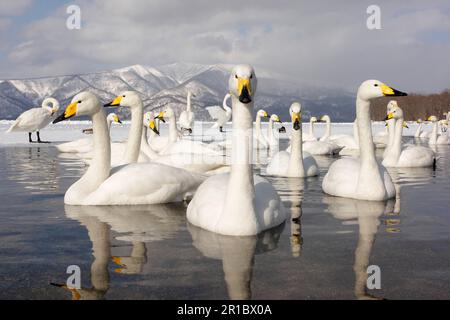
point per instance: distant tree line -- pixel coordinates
(415, 106)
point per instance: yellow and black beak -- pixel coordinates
(389, 116)
(405, 125)
(117, 119)
(160, 116)
(114, 103)
(296, 117)
(244, 90)
(70, 112)
(75, 293)
(391, 92)
(152, 126)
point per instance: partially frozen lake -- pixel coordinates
(151, 252)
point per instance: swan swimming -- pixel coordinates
(238, 203)
(187, 117)
(271, 138)
(35, 119)
(436, 138)
(410, 156)
(221, 114)
(297, 164)
(310, 136)
(85, 144)
(362, 178)
(136, 183)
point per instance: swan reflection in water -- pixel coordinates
(136, 224)
(367, 215)
(237, 255)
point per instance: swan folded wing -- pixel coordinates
(216, 112)
(145, 184)
(416, 156)
(310, 165)
(342, 178)
(269, 209)
(33, 119)
(279, 164)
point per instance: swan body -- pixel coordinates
(86, 144)
(35, 119)
(129, 184)
(411, 156)
(297, 164)
(221, 114)
(362, 178)
(435, 139)
(238, 203)
(187, 116)
(321, 148)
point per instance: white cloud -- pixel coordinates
(325, 42)
(14, 7)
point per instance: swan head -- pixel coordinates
(149, 122)
(242, 83)
(371, 89)
(325, 118)
(432, 119)
(295, 110)
(419, 120)
(262, 113)
(128, 99)
(395, 112)
(313, 119)
(112, 117)
(83, 104)
(275, 118)
(51, 101)
(166, 114)
(391, 105)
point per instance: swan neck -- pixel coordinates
(366, 146)
(173, 131)
(145, 146)
(134, 137)
(188, 103)
(397, 143)
(433, 137)
(328, 129)
(311, 128)
(296, 167)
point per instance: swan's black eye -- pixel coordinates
(376, 84)
(236, 76)
(123, 96)
(79, 101)
(251, 76)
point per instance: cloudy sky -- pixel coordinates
(321, 42)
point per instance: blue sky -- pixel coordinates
(321, 43)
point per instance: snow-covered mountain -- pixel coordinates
(168, 85)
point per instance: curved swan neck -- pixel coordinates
(311, 128)
(99, 169)
(366, 146)
(391, 125)
(433, 137)
(145, 146)
(296, 167)
(134, 137)
(397, 142)
(328, 129)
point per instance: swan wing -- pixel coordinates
(416, 156)
(145, 183)
(32, 120)
(217, 113)
(279, 164)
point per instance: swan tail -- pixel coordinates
(13, 126)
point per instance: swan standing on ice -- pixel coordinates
(137, 183)
(261, 140)
(411, 156)
(296, 164)
(85, 144)
(271, 138)
(35, 119)
(362, 178)
(221, 114)
(187, 117)
(434, 137)
(238, 203)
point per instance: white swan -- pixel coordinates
(419, 128)
(349, 143)
(221, 114)
(261, 140)
(296, 163)
(321, 148)
(85, 144)
(326, 136)
(142, 183)
(238, 203)
(434, 137)
(411, 156)
(35, 119)
(310, 136)
(271, 138)
(362, 178)
(187, 117)
(390, 125)
(175, 145)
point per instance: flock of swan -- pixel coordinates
(228, 198)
